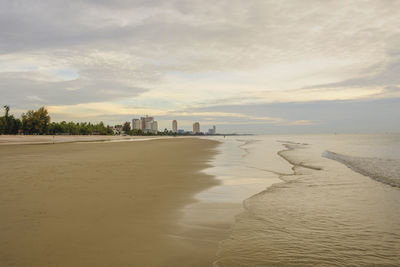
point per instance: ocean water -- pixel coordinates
(301, 200)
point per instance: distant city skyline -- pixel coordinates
(149, 124)
(246, 66)
(145, 124)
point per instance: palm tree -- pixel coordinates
(6, 109)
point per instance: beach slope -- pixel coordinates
(101, 204)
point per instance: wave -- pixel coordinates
(383, 170)
(289, 145)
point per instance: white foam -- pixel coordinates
(383, 170)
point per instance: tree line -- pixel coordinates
(38, 122)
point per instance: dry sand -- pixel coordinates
(52, 139)
(102, 204)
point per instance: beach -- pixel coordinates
(54, 139)
(268, 200)
(103, 203)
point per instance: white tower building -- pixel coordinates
(196, 128)
(136, 125)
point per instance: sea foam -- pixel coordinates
(383, 170)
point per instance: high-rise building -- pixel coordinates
(212, 130)
(136, 125)
(154, 127)
(146, 123)
(174, 126)
(196, 128)
(143, 123)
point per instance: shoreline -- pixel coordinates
(57, 139)
(241, 178)
(103, 204)
(321, 208)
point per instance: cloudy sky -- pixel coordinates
(245, 66)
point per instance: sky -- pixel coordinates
(252, 66)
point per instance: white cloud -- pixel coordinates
(174, 55)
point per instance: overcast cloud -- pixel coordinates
(114, 60)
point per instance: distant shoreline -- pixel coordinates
(55, 139)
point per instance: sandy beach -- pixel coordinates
(54, 139)
(102, 204)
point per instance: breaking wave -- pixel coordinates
(383, 170)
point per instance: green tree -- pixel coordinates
(127, 127)
(36, 122)
(109, 130)
(9, 124)
(3, 125)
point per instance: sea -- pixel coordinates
(303, 200)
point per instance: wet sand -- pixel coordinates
(322, 213)
(102, 204)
